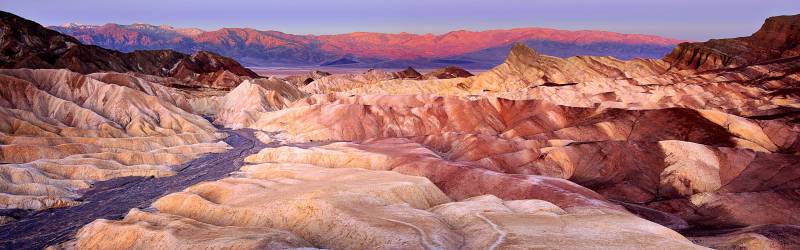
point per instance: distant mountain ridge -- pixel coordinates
(26, 44)
(476, 49)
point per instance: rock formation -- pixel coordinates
(447, 73)
(242, 105)
(779, 37)
(305, 79)
(352, 208)
(524, 67)
(60, 131)
(755, 237)
(408, 73)
(342, 82)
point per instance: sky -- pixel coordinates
(696, 20)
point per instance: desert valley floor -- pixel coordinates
(101, 149)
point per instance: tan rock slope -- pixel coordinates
(305, 79)
(336, 83)
(240, 107)
(282, 205)
(60, 131)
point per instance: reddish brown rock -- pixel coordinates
(408, 73)
(779, 37)
(457, 180)
(777, 237)
(447, 73)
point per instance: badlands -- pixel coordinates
(698, 150)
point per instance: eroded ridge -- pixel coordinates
(61, 131)
(288, 205)
(113, 198)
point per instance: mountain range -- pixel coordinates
(26, 44)
(470, 49)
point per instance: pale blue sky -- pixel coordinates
(683, 19)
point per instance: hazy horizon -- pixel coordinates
(687, 20)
